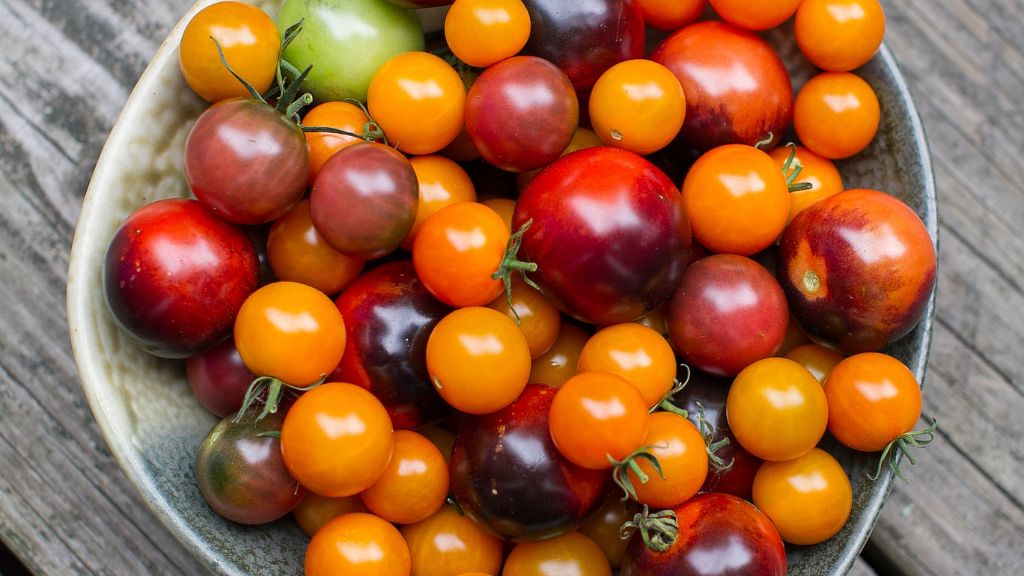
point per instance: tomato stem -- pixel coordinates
(707, 431)
(273, 389)
(760, 144)
(903, 444)
(791, 171)
(658, 530)
(622, 468)
(510, 263)
(666, 403)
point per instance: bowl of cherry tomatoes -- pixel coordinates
(425, 287)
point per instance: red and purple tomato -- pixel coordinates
(728, 312)
(246, 161)
(858, 269)
(175, 276)
(608, 233)
(219, 378)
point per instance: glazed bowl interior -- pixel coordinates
(153, 425)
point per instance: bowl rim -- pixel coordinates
(99, 395)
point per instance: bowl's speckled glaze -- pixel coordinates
(152, 423)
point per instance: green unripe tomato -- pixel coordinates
(346, 41)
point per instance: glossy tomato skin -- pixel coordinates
(577, 36)
(245, 161)
(508, 475)
(521, 113)
(219, 378)
(608, 233)
(858, 269)
(727, 313)
(175, 276)
(388, 317)
(719, 535)
(737, 89)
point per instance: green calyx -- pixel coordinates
(659, 530)
(631, 463)
(904, 444)
(510, 264)
(269, 390)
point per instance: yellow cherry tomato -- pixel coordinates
(571, 554)
(322, 145)
(315, 510)
(836, 114)
(637, 353)
(482, 32)
(449, 543)
(538, 318)
(442, 183)
(298, 253)
(821, 173)
(357, 544)
(637, 105)
(559, 363)
(414, 484)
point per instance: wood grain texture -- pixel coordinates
(66, 508)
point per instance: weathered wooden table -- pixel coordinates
(66, 508)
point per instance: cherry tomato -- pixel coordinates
(298, 253)
(357, 544)
(755, 15)
(442, 182)
(482, 32)
(457, 250)
(737, 200)
(337, 439)
(284, 321)
(605, 527)
(250, 43)
(322, 145)
(637, 353)
(443, 439)
(795, 336)
(582, 138)
(414, 484)
(418, 99)
(836, 114)
(449, 543)
(537, 317)
(637, 105)
(680, 450)
(808, 498)
(559, 363)
(820, 173)
(671, 15)
(504, 207)
(776, 409)
(839, 35)
(819, 360)
(872, 400)
(596, 415)
(571, 554)
(315, 511)
(463, 351)
(219, 378)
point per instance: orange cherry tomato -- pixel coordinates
(285, 321)
(680, 450)
(872, 400)
(808, 498)
(559, 363)
(337, 439)
(671, 14)
(819, 360)
(442, 183)
(482, 32)
(597, 415)
(755, 15)
(418, 100)
(571, 554)
(414, 484)
(449, 543)
(298, 253)
(538, 318)
(463, 352)
(605, 527)
(322, 145)
(315, 511)
(357, 544)
(637, 353)
(776, 409)
(836, 114)
(504, 207)
(443, 439)
(457, 250)
(737, 200)
(250, 42)
(839, 35)
(820, 173)
(637, 105)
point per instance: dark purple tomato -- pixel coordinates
(728, 312)
(585, 37)
(246, 161)
(521, 113)
(175, 276)
(364, 200)
(219, 378)
(242, 475)
(389, 315)
(719, 535)
(609, 234)
(508, 476)
(737, 89)
(710, 393)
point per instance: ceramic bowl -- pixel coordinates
(153, 425)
